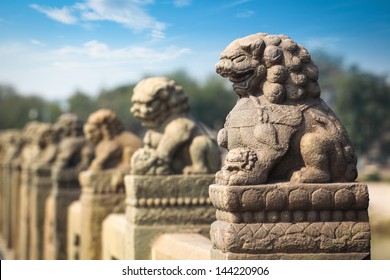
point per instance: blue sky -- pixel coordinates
(54, 47)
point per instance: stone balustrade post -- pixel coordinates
(98, 199)
(6, 174)
(40, 188)
(24, 210)
(14, 198)
(165, 204)
(65, 190)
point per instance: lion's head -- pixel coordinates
(68, 124)
(103, 124)
(273, 65)
(156, 99)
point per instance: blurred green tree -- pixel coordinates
(363, 104)
(16, 109)
(118, 100)
(82, 105)
(330, 68)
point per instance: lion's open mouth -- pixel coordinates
(241, 79)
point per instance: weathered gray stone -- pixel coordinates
(280, 128)
(286, 189)
(234, 199)
(167, 191)
(309, 231)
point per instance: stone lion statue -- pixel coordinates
(32, 144)
(113, 145)
(74, 152)
(11, 143)
(174, 142)
(280, 129)
(47, 137)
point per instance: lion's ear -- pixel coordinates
(253, 47)
(247, 48)
(256, 49)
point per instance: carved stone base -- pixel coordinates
(287, 221)
(219, 255)
(165, 204)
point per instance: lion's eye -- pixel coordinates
(239, 58)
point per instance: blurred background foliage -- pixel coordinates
(360, 99)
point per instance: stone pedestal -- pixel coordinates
(181, 246)
(98, 199)
(15, 181)
(74, 231)
(9, 208)
(165, 204)
(24, 218)
(287, 221)
(1, 201)
(6, 178)
(114, 237)
(40, 189)
(65, 190)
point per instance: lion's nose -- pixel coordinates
(223, 67)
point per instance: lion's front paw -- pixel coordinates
(143, 161)
(239, 178)
(221, 177)
(235, 178)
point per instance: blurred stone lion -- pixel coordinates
(113, 145)
(174, 143)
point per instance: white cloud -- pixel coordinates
(131, 14)
(182, 3)
(56, 74)
(63, 15)
(237, 3)
(321, 43)
(245, 14)
(98, 50)
(10, 49)
(37, 43)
